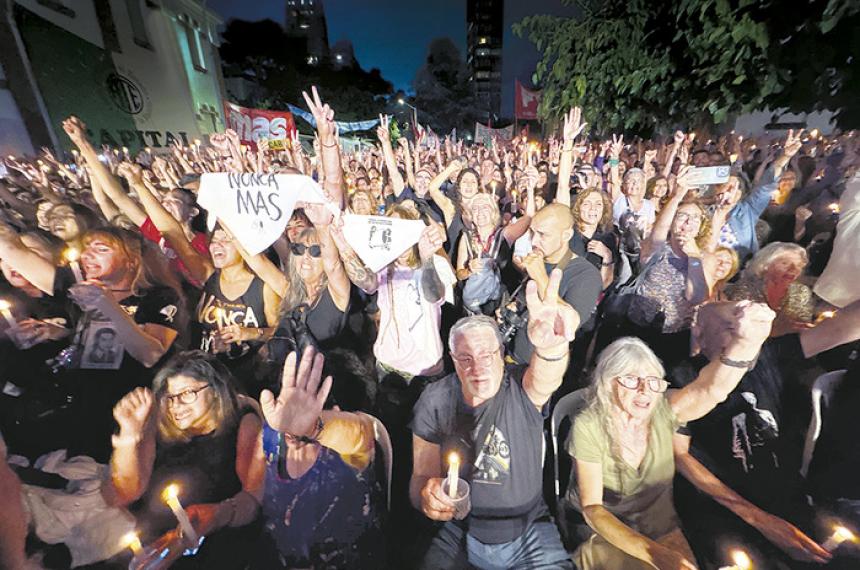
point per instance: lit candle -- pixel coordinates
(11, 157)
(171, 497)
(814, 133)
(840, 535)
(453, 474)
(826, 315)
(132, 542)
(72, 257)
(148, 150)
(197, 145)
(741, 561)
(6, 311)
(834, 208)
(733, 157)
(125, 150)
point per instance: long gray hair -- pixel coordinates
(297, 293)
(624, 356)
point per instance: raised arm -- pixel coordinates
(133, 448)
(552, 326)
(570, 130)
(384, 136)
(100, 175)
(843, 328)
(407, 162)
(434, 189)
(35, 269)
(660, 232)
(338, 281)
(330, 152)
(614, 158)
(361, 276)
(731, 335)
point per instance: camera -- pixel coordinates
(512, 317)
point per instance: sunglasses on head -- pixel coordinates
(300, 248)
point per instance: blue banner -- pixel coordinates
(342, 126)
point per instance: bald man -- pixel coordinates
(551, 230)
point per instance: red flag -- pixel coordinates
(525, 102)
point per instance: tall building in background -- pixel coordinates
(484, 33)
(305, 19)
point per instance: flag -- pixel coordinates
(526, 101)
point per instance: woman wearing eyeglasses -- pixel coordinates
(621, 443)
(192, 430)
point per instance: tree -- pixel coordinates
(263, 53)
(442, 90)
(645, 66)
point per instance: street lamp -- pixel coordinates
(402, 101)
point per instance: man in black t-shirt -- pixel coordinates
(492, 418)
(551, 230)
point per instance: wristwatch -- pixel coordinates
(747, 364)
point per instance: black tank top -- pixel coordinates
(216, 311)
(204, 468)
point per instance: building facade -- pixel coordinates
(484, 33)
(305, 19)
(139, 73)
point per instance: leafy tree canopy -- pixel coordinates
(648, 66)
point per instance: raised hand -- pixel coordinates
(382, 132)
(616, 146)
(76, 129)
(323, 114)
(298, 406)
(133, 413)
(431, 240)
(793, 143)
(131, 172)
(573, 124)
(552, 322)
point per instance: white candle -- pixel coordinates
(840, 535)
(171, 497)
(6, 311)
(72, 257)
(132, 541)
(741, 561)
(453, 474)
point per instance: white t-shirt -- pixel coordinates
(646, 213)
(838, 283)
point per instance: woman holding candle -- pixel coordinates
(128, 289)
(189, 449)
(622, 443)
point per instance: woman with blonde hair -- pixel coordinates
(621, 443)
(194, 431)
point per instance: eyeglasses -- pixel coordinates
(480, 360)
(682, 217)
(186, 396)
(300, 249)
(655, 383)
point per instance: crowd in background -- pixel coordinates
(307, 406)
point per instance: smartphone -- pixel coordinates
(705, 175)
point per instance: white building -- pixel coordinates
(138, 72)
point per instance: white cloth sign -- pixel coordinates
(255, 207)
(379, 240)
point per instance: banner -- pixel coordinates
(525, 102)
(255, 207)
(342, 126)
(485, 135)
(254, 124)
(379, 240)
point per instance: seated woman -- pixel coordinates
(192, 430)
(622, 443)
(771, 277)
(128, 290)
(322, 505)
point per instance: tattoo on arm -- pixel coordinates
(431, 285)
(359, 274)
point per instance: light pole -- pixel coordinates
(401, 101)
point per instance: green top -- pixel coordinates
(640, 498)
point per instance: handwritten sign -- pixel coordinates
(378, 240)
(255, 206)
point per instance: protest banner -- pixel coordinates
(255, 207)
(526, 102)
(486, 135)
(254, 124)
(378, 240)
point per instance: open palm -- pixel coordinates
(298, 406)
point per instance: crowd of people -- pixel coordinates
(313, 413)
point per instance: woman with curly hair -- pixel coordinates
(594, 236)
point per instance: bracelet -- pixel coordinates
(565, 149)
(614, 162)
(332, 145)
(556, 359)
(609, 264)
(303, 439)
(746, 364)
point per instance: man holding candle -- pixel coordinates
(492, 419)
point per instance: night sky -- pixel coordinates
(393, 35)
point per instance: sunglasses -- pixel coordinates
(300, 248)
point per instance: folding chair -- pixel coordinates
(823, 389)
(380, 435)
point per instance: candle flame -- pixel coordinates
(842, 534)
(834, 207)
(129, 538)
(453, 459)
(742, 560)
(197, 142)
(5, 305)
(125, 149)
(171, 492)
(71, 255)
